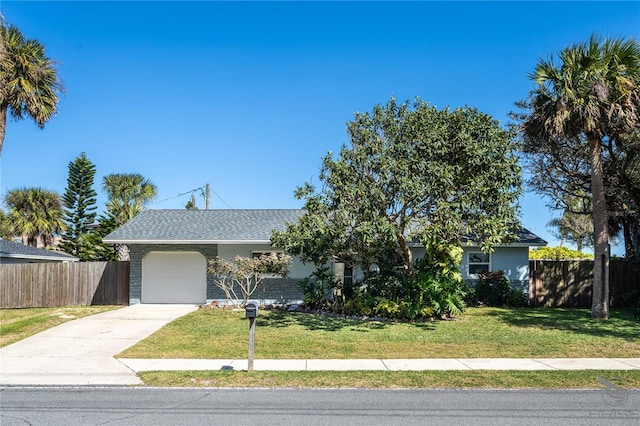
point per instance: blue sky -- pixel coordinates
(249, 96)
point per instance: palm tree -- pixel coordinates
(592, 95)
(28, 79)
(575, 225)
(34, 213)
(127, 195)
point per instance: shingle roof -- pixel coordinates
(10, 249)
(524, 238)
(202, 226)
(529, 238)
(222, 226)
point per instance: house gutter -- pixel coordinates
(28, 256)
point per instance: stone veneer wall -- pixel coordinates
(139, 251)
(269, 291)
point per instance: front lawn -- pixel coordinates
(479, 333)
(17, 324)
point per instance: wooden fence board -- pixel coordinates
(64, 284)
(569, 283)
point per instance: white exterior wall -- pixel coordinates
(297, 270)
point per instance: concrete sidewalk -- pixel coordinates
(81, 352)
(139, 365)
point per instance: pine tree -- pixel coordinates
(95, 249)
(79, 202)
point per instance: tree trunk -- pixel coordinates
(405, 252)
(3, 125)
(600, 301)
(123, 252)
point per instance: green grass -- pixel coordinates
(479, 333)
(17, 324)
(587, 379)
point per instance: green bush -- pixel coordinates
(632, 300)
(494, 289)
(317, 288)
(557, 253)
(434, 288)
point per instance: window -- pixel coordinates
(255, 254)
(479, 262)
(269, 269)
(348, 276)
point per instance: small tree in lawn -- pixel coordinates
(223, 272)
(247, 273)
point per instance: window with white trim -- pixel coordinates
(478, 262)
(255, 254)
(258, 254)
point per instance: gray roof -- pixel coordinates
(224, 227)
(202, 226)
(13, 250)
(523, 235)
(529, 238)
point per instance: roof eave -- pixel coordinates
(34, 257)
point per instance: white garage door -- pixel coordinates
(174, 277)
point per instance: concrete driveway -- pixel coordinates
(81, 352)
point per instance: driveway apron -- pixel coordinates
(81, 352)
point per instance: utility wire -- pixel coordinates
(221, 199)
(201, 189)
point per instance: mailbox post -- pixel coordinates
(251, 313)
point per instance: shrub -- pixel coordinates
(318, 288)
(434, 288)
(632, 300)
(557, 253)
(494, 289)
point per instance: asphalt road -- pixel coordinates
(162, 406)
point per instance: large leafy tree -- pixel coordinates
(34, 214)
(28, 79)
(411, 173)
(79, 202)
(585, 103)
(127, 194)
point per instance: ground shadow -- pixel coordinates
(315, 321)
(621, 324)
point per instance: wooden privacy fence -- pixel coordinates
(568, 283)
(35, 285)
